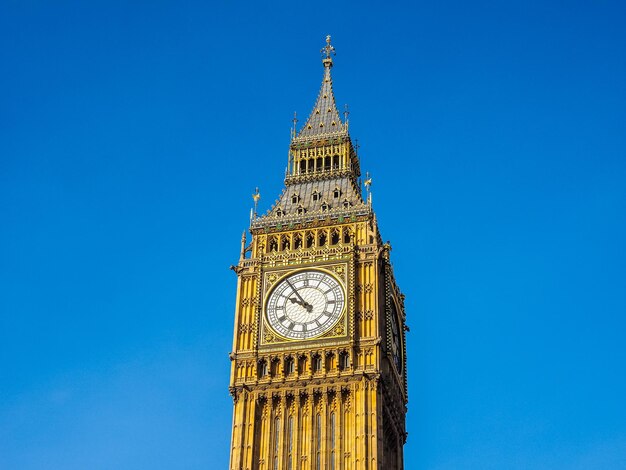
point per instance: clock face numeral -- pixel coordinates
(305, 304)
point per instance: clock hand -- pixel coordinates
(307, 306)
(304, 302)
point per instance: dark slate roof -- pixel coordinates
(349, 192)
(324, 119)
(325, 190)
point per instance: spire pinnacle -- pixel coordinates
(327, 52)
(324, 119)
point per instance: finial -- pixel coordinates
(327, 52)
(256, 196)
(242, 254)
(295, 121)
(345, 114)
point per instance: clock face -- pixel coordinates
(305, 304)
(396, 346)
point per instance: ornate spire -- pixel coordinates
(324, 119)
(327, 52)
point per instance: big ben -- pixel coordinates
(318, 374)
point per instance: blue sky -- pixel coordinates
(132, 135)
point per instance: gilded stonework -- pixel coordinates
(337, 399)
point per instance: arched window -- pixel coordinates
(318, 441)
(330, 362)
(289, 366)
(276, 441)
(322, 239)
(344, 360)
(301, 364)
(262, 368)
(325, 207)
(310, 239)
(297, 241)
(289, 443)
(334, 237)
(332, 441)
(317, 363)
(286, 244)
(346, 235)
(302, 166)
(274, 367)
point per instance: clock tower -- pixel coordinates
(318, 373)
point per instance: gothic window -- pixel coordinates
(310, 165)
(320, 163)
(302, 166)
(262, 368)
(317, 363)
(276, 441)
(346, 204)
(335, 161)
(346, 459)
(334, 237)
(346, 235)
(289, 442)
(330, 362)
(301, 364)
(336, 193)
(325, 207)
(295, 199)
(279, 212)
(332, 441)
(274, 367)
(327, 164)
(318, 439)
(272, 245)
(285, 243)
(344, 361)
(297, 241)
(310, 239)
(315, 196)
(289, 366)
(322, 239)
